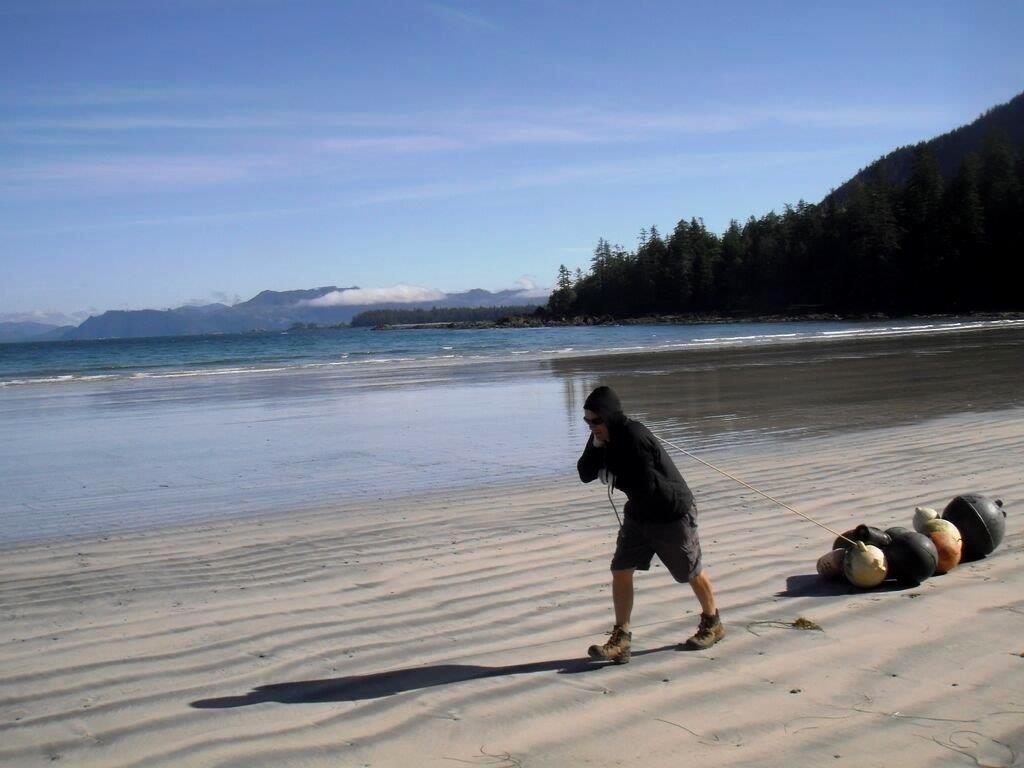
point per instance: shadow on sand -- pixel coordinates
(812, 585)
(381, 684)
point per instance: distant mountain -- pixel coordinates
(277, 299)
(28, 331)
(184, 321)
(949, 149)
(267, 311)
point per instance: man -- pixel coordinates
(660, 518)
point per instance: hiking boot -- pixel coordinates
(710, 631)
(616, 649)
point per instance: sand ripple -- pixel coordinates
(448, 628)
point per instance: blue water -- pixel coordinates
(120, 435)
(359, 348)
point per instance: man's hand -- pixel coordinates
(605, 476)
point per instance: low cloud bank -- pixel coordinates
(527, 288)
(46, 317)
(399, 294)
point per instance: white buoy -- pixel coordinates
(923, 515)
(830, 565)
(864, 565)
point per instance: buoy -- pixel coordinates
(922, 515)
(864, 533)
(947, 542)
(864, 565)
(871, 535)
(896, 531)
(911, 557)
(981, 522)
(938, 524)
(841, 541)
(830, 565)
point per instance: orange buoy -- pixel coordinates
(948, 543)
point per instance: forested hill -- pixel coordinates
(939, 242)
(949, 149)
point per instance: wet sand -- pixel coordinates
(814, 388)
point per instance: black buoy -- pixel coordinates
(912, 558)
(876, 537)
(896, 531)
(981, 522)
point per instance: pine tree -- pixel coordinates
(705, 258)
(964, 231)
(922, 262)
(1001, 194)
(729, 287)
(679, 268)
(563, 298)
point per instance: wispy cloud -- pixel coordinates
(647, 169)
(399, 294)
(298, 143)
(171, 220)
(677, 166)
(528, 288)
(525, 126)
(148, 170)
(102, 95)
(851, 117)
(391, 144)
(156, 122)
(461, 17)
(215, 297)
(49, 317)
(35, 141)
(212, 120)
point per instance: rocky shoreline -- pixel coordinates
(684, 319)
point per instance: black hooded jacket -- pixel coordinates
(643, 470)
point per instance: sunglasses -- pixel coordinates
(595, 422)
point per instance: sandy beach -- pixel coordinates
(446, 626)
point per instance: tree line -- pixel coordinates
(930, 245)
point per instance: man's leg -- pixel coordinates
(622, 596)
(617, 649)
(701, 584)
(710, 630)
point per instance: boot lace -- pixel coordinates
(618, 635)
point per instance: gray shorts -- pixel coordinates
(676, 544)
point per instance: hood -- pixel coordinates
(605, 403)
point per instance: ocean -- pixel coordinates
(366, 351)
(119, 435)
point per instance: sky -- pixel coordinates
(155, 153)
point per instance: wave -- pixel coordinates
(406, 356)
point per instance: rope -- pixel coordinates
(611, 487)
(755, 490)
